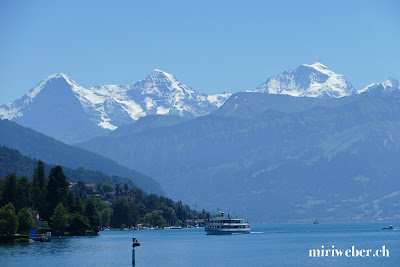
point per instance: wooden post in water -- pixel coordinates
(135, 244)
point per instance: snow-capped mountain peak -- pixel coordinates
(15, 109)
(160, 82)
(391, 85)
(35, 91)
(321, 68)
(159, 76)
(314, 80)
(162, 93)
(158, 73)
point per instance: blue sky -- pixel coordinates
(213, 46)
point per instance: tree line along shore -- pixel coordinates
(53, 204)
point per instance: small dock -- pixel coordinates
(34, 236)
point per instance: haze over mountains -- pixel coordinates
(39, 146)
(304, 144)
(339, 161)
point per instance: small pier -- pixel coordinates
(34, 236)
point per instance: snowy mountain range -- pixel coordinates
(316, 80)
(61, 108)
(108, 106)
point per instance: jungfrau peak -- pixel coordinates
(314, 80)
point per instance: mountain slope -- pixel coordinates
(63, 109)
(40, 146)
(337, 162)
(249, 104)
(314, 80)
(12, 161)
(53, 107)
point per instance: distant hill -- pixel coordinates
(12, 161)
(51, 151)
(277, 157)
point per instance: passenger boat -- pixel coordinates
(221, 224)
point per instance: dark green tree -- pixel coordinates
(59, 220)
(2, 184)
(169, 214)
(10, 194)
(181, 212)
(57, 190)
(8, 220)
(117, 189)
(24, 193)
(98, 188)
(71, 202)
(39, 187)
(126, 188)
(155, 218)
(105, 216)
(82, 189)
(139, 195)
(25, 221)
(123, 213)
(51, 198)
(152, 202)
(107, 188)
(79, 206)
(142, 210)
(91, 211)
(78, 224)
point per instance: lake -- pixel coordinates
(267, 245)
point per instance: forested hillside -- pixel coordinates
(12, 161)
(51, 151)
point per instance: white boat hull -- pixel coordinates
(220, 231)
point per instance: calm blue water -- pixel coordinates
(269, 245)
